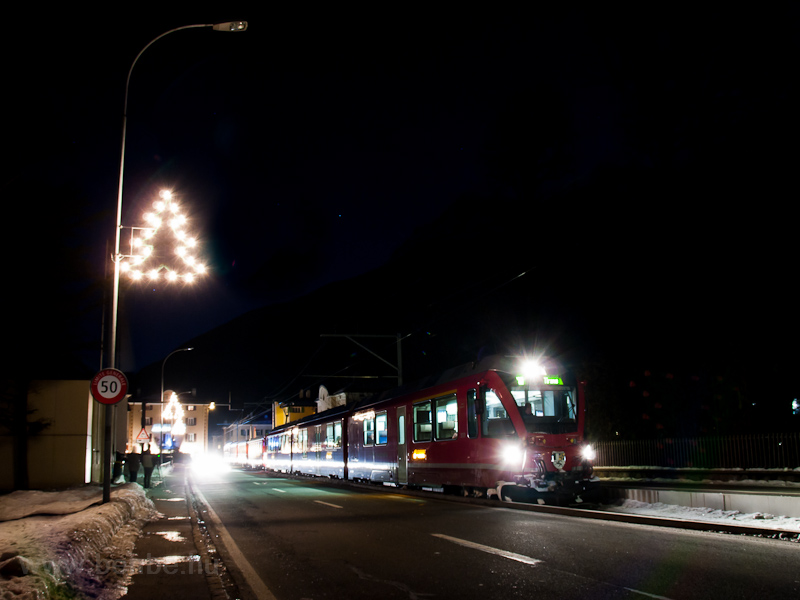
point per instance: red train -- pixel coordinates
(483, 429)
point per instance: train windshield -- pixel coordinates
(547, 409)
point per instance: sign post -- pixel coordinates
(108, 387)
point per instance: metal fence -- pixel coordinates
(769, 451)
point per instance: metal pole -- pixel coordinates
(233, 26)
(399, 360)
(107, 455)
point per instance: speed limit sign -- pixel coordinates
(109, 386)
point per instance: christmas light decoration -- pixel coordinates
(164, 244)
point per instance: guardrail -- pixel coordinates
(767, 451)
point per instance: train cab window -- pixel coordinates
(381, 424)
(495, 422)
(446, 417)
(546, 411)
(422, 422)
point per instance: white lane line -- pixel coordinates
(646, 594)
(279, 490)
(255, 582)
(488, 549)
(521, 558)
(328, 504)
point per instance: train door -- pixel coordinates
(402, 456)
(317, 450)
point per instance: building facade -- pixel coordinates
(65, 453)
(168, 430)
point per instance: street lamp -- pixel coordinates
(161, 398)
(228, 26)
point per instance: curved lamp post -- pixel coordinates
(229, 26)
(161, 416)
(112, 360)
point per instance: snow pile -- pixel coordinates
(69, 547)
(710, 515)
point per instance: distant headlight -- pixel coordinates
(514, 456)
(588, 452)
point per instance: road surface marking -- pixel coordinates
(521, 558)
(255, 582)
(328, 504)
(279, 490)
(646, 594)
(488, 549)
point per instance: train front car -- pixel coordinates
(540, 412)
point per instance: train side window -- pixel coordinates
(422, 422)
(302, 442)
(381, 424)
(494, 421)
(333, 435)
(446, 417)
(401, 430)
(369, 431)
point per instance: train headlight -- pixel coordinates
(588, 452)
(514, 456)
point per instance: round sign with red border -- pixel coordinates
(109, 386)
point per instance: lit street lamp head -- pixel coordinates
(231, 26)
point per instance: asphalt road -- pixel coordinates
(295, 540)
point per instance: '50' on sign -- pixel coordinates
(109, 386)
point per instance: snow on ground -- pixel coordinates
(66, 544)
(709, 515)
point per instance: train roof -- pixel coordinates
(499, 363)
(503, 364)
(325, 415)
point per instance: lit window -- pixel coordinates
(381, 424)
(422, 422)
(446, 417)
(369, 431)
(333, 435)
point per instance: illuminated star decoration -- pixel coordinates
(140, 263)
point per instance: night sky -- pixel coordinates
(312, 146)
